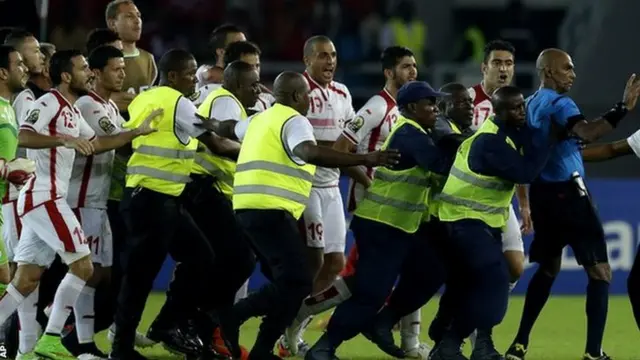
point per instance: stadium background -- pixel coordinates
(604, 58)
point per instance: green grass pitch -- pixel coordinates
(558, 335)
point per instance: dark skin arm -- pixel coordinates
(220, 146)
(328, 157)
(602, 152)
(590, 131)
(344, 145)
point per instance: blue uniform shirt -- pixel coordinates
(543, 107)
(418, 149)
(491, 155)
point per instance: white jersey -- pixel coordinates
(330, 109)
(52, 115)
(200, 76)
(91, 176)
(482, 108)
(368, 130)
(265, 99)
(22, 104)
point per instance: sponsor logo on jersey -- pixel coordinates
(33, 116)
(355, 124)
(195, 96)
(106, 125)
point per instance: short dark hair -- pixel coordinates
(5, 52)
(101, 55)
(61, 63)
(497, 45)
(173, 60)
(111, 11)
(218, 37)
(312, 41)
(392, 55)
(99, 37)
(16, 37)
(503, 93)
(236, 49)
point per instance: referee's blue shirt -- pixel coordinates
(543, 107)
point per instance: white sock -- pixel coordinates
(66, 296)
(29, 327)
(410, 330)
(9, 303)
(472, 338)
(85, 315)
(325, 300)
(243, 291)
(512, 285)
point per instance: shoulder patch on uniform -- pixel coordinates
(106, 125)
(355, 124)
(195, 96)
(33, 116)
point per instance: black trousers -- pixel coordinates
(275, 237)
(235, 261)
(157, 225)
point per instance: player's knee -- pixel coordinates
(82, 268)
(27, 278)
(515, 261)
(601, 271)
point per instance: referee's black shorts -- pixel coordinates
(561, 217)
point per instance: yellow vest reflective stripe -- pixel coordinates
(469, 195)
(398, 198)
(266, 176)
(207, 163)
(437, 181)
(413, 36)
(160, 162)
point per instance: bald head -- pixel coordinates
(292, 89)
(503, 94)
(311, 42)
(235, 70)
(549, 58)
(556, 70)
(450, 88)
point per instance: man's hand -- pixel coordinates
(382, 158)
(631, 92)
(526, 227)
(17, 171)
(83, 146)
(145, 128)
(208, 124)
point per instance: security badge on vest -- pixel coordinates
(267, 178)
(469, 195)
(160, 161)
(207, 163)
(398, 198)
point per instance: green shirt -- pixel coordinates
(8, 136)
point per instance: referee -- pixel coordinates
(561, 206)
(271, 187)
(156, 221)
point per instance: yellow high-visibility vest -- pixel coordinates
(266, 176)
(207, 163)
(436, 181)
(398, 198)
(412, 36)
(160, 161)
(469, 195)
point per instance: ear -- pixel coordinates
(296, 96)
(96, 72)
(111, 24)
(4, 73)
(306, 60)
(65, 77)
(171, 76)
(388, 73)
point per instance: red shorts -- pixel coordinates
(352, 259)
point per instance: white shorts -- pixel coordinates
(11, 227)
(97, 229)
(512, 236)
(323, 220)
(51, 228)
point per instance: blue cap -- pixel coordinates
(415, 91)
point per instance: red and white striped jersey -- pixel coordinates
(22, 104)
(368, 130)
(91, 175)
(330, 109)
(482, 108)
(52, 115)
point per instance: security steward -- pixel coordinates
(474, 206)
(210, 192)
(452, 127)
(387, 224)
(156, 220)
(271, 187)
